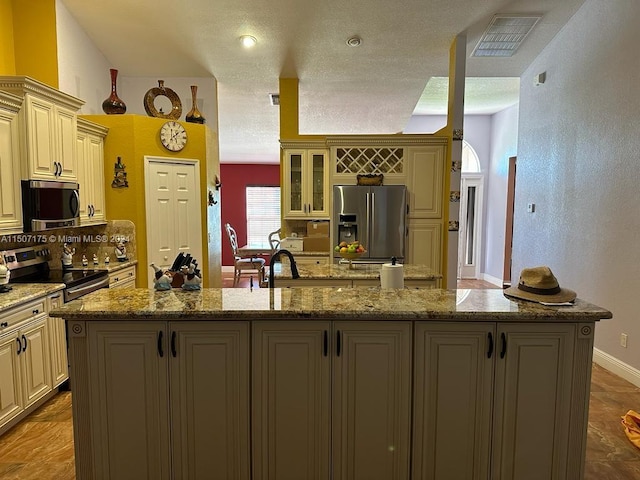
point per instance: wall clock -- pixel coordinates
(162, 91)
(173, 136)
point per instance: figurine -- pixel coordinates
(162, 280)
(5, 273)
(85, 262)
(121, 250)
(67, 256)
(192, 277)
(95, 259)
(106, 259)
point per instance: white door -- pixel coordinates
(173, 210)
(469, 245)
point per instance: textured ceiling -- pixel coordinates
(373, 88)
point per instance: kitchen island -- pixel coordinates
(354, 275)
(343, 383)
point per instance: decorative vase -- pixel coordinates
(194, 115)
(113, 105)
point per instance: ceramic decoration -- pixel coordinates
(121, 250)
(162, 280)
(162, 91)
(113, 105)
(5, 273)
(67, 256)
(192, 277)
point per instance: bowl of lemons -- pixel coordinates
(350, 251)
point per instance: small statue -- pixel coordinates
(121, 250)
(85, 262)
(67, 256)
(162, 280)
(192, 277)
(95, 259)
(106, 259)
(5, 273)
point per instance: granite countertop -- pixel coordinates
(25, 292)
(360, 271)
(306, 253)
(363, 303)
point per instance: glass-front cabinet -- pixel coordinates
(306, 183)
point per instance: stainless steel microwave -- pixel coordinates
(47, 204)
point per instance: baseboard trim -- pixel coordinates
(488, 278)
(616, 366)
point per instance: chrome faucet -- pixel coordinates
(274, 257)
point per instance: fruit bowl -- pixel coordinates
(350, 255)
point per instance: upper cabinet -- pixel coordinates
(10, 204)
(305, 186)
(90, 161)
(48, 125)
(425, 180)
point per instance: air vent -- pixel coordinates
(504, 35)
(274, 98)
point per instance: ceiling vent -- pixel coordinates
(274, 98)
(504, 35)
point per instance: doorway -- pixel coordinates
(172, 210)
(471, 200)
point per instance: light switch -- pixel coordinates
(531, 207)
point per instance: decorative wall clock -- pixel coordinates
(162, 91)
(173, 136)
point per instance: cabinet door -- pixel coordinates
(10, 386)
(34, 359)
(371, 400)
(452, 400)
(290, 400)
(58, 344)
(96, 178)
(294, 205)
(317, 184)
(128, 374)
(209, 373)
(40, 139)
(65, 143)
(83, 175)
(425, 181)
(10, 200)
(425, 243)
(532, 401)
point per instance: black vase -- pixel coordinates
(113, 105)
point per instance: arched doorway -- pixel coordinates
(471, 196)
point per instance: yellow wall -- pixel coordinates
(7, 54)
(35, 40)
(131, 137)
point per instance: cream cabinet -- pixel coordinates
(10, 200)
(124, 278)
(331, 400)
(57, 343)
(305, 188)
(496, 401)
(168, 399)
(10, 378)
(424, 243)
(48, 125)
(90, 161)
(426, 180)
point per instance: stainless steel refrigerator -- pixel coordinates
(375, 216)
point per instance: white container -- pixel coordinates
(392, 275)
(293, 244)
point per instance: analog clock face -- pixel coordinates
(173, 136)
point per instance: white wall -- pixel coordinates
(578, 156)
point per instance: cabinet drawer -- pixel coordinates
(126, 274)
(18, 315)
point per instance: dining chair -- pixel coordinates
(274, 241)
(244, 264)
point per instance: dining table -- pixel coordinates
(254, 249)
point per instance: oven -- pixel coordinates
(31, 265)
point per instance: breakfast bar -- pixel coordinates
(342, 383)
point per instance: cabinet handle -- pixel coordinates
(24, 346)
(35, 311)
(325, 346)
(55, 167)
(338, 343)
(173, 344)
(490, 351)
(4, 324)
(503, 338)
(160, 349)
(19, 345)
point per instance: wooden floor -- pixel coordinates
(41, 447)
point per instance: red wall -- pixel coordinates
(234, 178)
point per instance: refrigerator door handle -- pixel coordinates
(372, 217)
(368, 237)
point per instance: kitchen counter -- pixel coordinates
(370, 303)
(24, 292)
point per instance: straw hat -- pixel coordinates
(538, 284)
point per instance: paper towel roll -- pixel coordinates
(391, 276)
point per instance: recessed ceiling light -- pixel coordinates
(354, 41)
(248, 41)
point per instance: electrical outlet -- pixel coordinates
(623, 340)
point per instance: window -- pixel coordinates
(263, 213)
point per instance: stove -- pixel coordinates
(30, 265)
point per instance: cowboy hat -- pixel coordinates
(538, 284)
